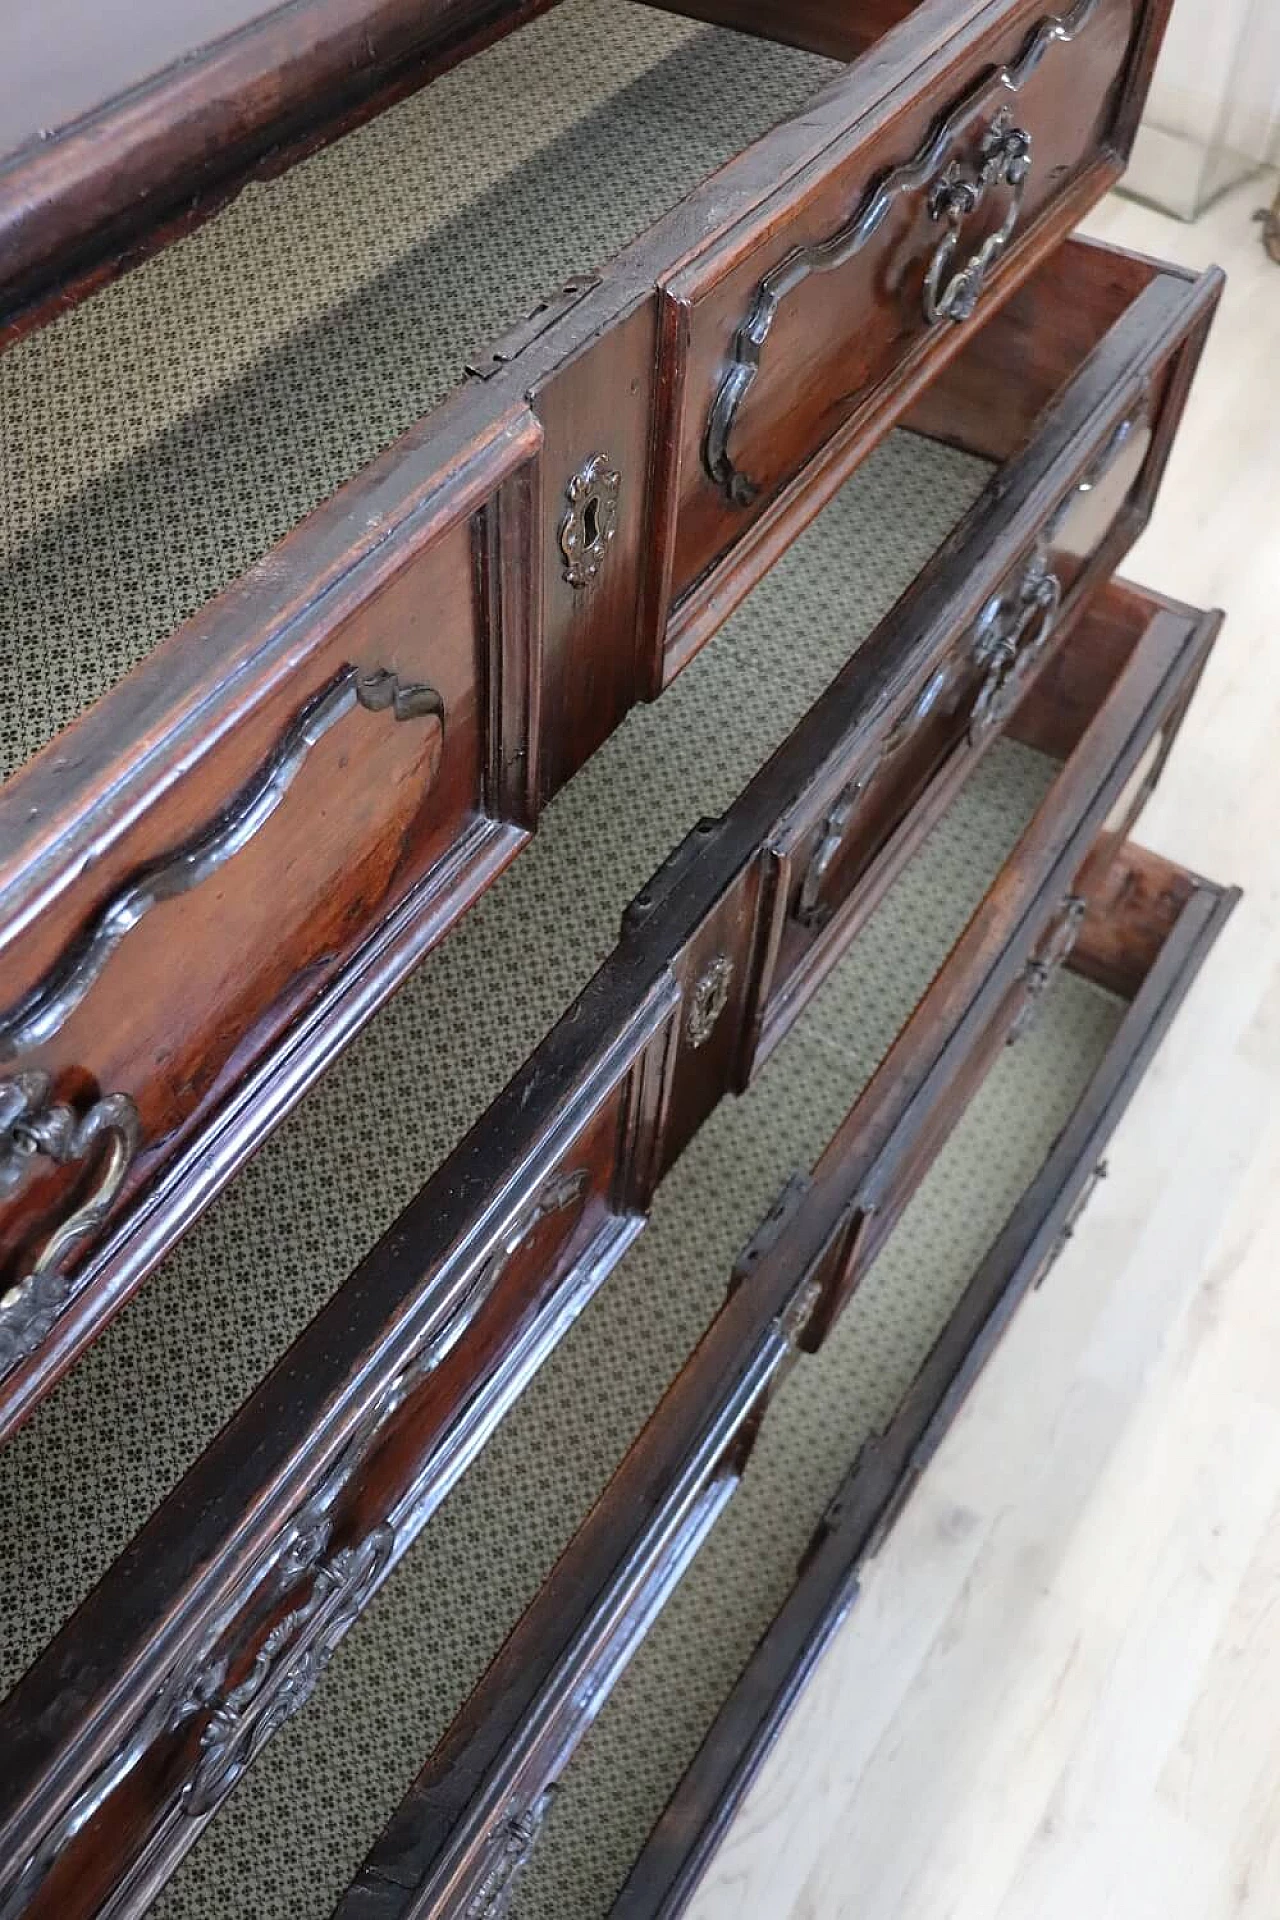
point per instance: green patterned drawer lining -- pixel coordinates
(162, 437)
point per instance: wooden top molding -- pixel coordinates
(124, 124)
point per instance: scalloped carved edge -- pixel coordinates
(40, 1014)
(283, 1672)
(31, 1125)
(823, 256)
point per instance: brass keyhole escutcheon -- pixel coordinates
(590, 522)
(708, 1000)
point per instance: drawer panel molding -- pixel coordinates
(952, 192)
(45, 1009)
(514, 1737)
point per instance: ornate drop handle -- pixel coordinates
(31, 1126)
(34, 1019)
(919, 173)
(1013, 630)
(810, 910)
(284, 1672)
(1004, 161)
(1050, 957)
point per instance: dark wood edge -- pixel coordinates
(989, 543)
(666, 1873)
(149, 1612)
(444, 1834)
(81, 243)
(66, 808)
(1137, 82)
(104, 193)
(259, 1098)
(255, 1095)
(1186, 361)
(688, 623)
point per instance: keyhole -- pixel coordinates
(591, 520)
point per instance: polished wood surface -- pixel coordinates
(888, 1470)
(602, 1108)
(1057, 1695)
(857, 230)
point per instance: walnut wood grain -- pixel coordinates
(887, 1469)
(768, 305)
(122, 126)
(385, 1397)
(518, 1730)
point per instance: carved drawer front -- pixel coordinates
(469, 1829)
(339, 770)
(400, 1378)
(508, 1244)
(1141, 656)
(1012, 598)
(796, 337)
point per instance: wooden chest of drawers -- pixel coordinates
(756, 591)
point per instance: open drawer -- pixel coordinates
(126, 1733)
(160, 1014)
(726, 1549)
(222, 846)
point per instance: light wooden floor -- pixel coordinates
(1060, 1693)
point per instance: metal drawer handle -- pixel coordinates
(1046, 963)
(30, 1126)
(838, 248)
(508, 1848)
(1005, 160)
(810, 909)
(1013, 630)
(285, 1669)
(34, 1019)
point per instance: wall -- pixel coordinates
(1214, 106)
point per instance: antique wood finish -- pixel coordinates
(881, 1479)
(841, 29)
(335, 1463)
(472, 1816)
(373, 761)
(1135, 900)
(297, 924)
(118, 136)
(877, 792)
(794, 340)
